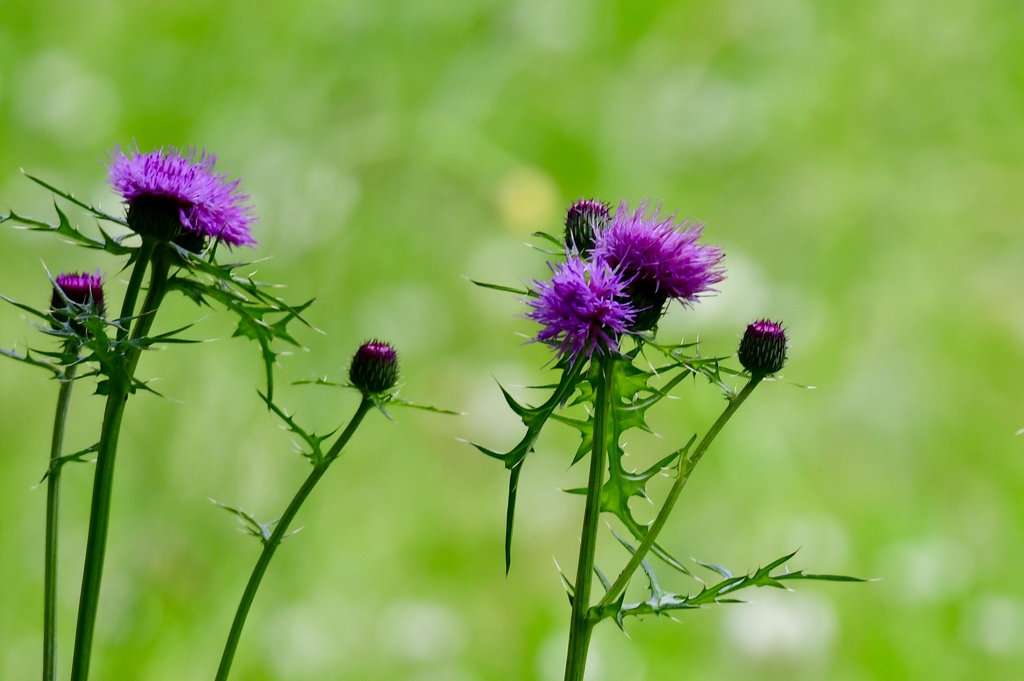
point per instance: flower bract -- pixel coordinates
(583, 221)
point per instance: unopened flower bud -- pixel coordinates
(583, 221)
(374, 367)
(763, 348)
(85, 290)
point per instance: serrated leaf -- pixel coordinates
(722, 592)
(313, 441)
(604, 580)
(652, 579)
(586, 428)
(534, 419)
(800, 574)
(27, 358)
(553, 239)
(71, 198)
(500, 456)
(570, 588)
(65, 229)
(76, 457)
(246, 298)
(635, 395)
(507, 289)
(520, 410)
(250, 525)
(715, 568)
(398, 402)
(687, 356)
(323, 381)
(42, 314)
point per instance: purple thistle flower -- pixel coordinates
(658, 259)
(171, 193)
(583, 309)
(84, 290)
(374, 367)
(763, 347)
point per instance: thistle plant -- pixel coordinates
(75, 296)
(178, 215)
(374, 373)
(600, 312)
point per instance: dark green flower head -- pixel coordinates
(648, 302)
(583, 221)
(763, 348)
(155, 216)
(374, 367)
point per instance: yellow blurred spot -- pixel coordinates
(528, 201)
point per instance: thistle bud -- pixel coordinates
(83, 290)
(583, 221)
(374, 367)
(763, 348)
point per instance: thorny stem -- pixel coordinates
(120, 384)
(683, 474)
(280, 530)
(582, 625)
(52, 521)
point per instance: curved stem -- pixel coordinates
(52, 521)
(119, 385)
(581, 625)
(685, 468)
(270, 545)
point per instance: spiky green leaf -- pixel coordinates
(315, 454)
(534, 419)
(507, 289)
(249, 523)
(661, 602)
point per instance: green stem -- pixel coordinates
(119, 386)
(280, 529)
(52, 520)
(99, 518)
(683, 474)
(131, 294)
(582, 625)
(161, 260)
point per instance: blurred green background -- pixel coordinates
(862, 165)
